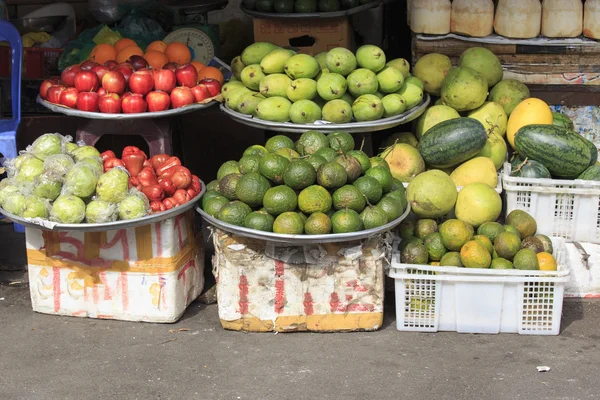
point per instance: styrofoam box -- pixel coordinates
(584, 267)
(149, 273)
(264, 286)
(475, 300)
(569, 209)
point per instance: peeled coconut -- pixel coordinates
(430, 16)
(472, 17)
(518, 19)
(431, 69)
(591, 19)
(483, 61)
(562, 18)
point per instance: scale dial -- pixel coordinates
(201, 45)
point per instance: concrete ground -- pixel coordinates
(49, 357)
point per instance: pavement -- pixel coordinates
(51, 357)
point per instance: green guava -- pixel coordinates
(30, 168)
(68, 209)
(100, 212)
(132, 207)
(59, 164)
(5, 191)
(113, 186)
(48, 186)
(85, 151)
(35, 207)
(81, 180)
(47, 145)
(14, 203)
(95, 163)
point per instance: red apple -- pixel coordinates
(126, 94)
(137, 62)
(68, 97)
(141, 82)
(100, 70)
(69, 74)
(158, 101)
(133, 103)
(87, 101)
(101, 91)
(110, 103)
(126, 69)
(213, 86)
(87, 81)
(187, 75)
(111, 64)
(200, 92)
(165, 80)
(88, 65)
(47, 84)
(53, 95)
(181, 96)
(114, 82)
(171, 65)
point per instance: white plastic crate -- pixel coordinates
(473, 300)
(569, 209)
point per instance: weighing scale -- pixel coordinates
(192, 27)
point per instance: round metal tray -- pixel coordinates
(38, 223)
(315, 15)
(324, 126)
(302, 239)
(146, 115)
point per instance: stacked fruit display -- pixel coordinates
(301, 6)
(455, 243)
(122, 78)
(276, 84)
(64, 182)
(318, 185)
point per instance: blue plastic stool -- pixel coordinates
(8, 128)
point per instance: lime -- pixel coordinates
(425, 227)
(288, 153)
(314, 199)
(317, 224)
(316, 161)
(392, 207)
(349, 196)
(255, 150)
(373, 217)
(299, 175)
(213, 205)
(302, 215)
(279, 142)
(249, 164)
(213, 185)
(341, 141)
(290, 223)
(234, 213)
(310, 142)
(435, 246)
(362, 158)
(251, 189)
(259, 220)
(209, 195)
(351, 165)
(280, 199)
(332, 175)
(383, 175)
(272, 167)
(228, 184)
(501, 263)
(346, 221)
(397, 185)
(379, 162)
(490, 229)
(451, 259)
(406, 228)
(408, 240)
(227, 168)
(512, 229)
(370, 188)
(327, 153)
(485, 242)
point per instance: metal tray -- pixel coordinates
(146, 115)
(323, 126)
(315, 15)
(149, 219)
(302, 239)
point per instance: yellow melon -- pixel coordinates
(528, 112)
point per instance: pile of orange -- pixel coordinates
(157, 54)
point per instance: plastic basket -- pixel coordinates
(569, 209)
(469, 300)
(38, 63)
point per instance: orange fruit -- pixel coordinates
(198, 65)
(156, 59)
(157, 45)
(127, 52)
(546, 262)
(178, 53)
(210, 72)
(122, 43)
(103, 53)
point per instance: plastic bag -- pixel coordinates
(49, 185)
(58, 164)
(96, 163)
(48, 144)
(107, 36)
(68, 209)
(36, 207)
(100, 212)
(134, 205)
(14, 203)
(110, 11)
(80, 181)
(7, 186)
(143, 29)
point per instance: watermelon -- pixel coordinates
(591, 173)
(565, 153)
(594, 151)
(530, 169)
(563, 120)
(452, 142)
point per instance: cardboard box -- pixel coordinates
(310, 36)
(149, 273)
(333, 287)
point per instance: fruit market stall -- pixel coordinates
(106, 237)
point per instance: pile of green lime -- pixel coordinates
(318, 185)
